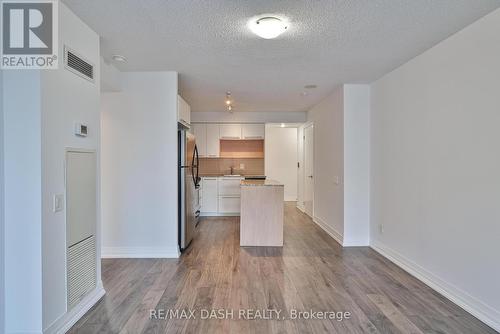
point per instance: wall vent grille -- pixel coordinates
(82, 270)
(78, 65)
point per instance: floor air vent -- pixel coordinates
(81, 270)
(78, 65)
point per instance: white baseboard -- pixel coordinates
(355, 243)
(64, 323)
(328, 229)
(216, 214)
(478, 309)
(140, 252)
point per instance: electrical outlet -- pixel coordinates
(58, 203)
(381, 228)
(242, 166)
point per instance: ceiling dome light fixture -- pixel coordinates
(268, 27)
(119, 58)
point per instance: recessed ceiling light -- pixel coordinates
(119, 58)
(282, 125)
(310, 86)
(268, 27)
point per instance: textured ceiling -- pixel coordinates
(327, 43)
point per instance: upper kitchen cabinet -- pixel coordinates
(253, 131)
(183, 112)
(230, 131)
(212, 142)
(200, 132)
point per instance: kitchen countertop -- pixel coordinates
(221, 175)
(267, 183)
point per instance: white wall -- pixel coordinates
(66, 99)
(2, 271)
(111, 80)
(328, 118)
(435, 167)
(139, 166)
(356, 165)
(22, 168)
(40, 109)
(281, 158)
(341, 164)
(250, 117)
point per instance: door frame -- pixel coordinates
(304, 176)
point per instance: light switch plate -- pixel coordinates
(58, 203)
(242, 166)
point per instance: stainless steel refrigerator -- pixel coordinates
(189, 187)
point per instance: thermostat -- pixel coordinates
(81, 130)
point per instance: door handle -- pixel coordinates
(310, 176)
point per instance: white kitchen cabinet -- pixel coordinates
(230, 131)
(253, 131)
(229, 186)
(220, 196)
(229, 195)
(229, 205)
(200, 132)
(213, 146)
(183, 111)
(209, 195)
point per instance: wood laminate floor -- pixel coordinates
(311, 272)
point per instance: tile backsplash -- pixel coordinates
(222, 166)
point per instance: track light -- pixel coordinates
(229, 102)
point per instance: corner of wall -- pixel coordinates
(2, 241)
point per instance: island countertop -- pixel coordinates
(267, 183)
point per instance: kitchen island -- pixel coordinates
(262, 210)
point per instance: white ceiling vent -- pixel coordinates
(78, 65)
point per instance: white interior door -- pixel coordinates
(309, 169)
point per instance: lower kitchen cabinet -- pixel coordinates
(209, 195)
(220, 196)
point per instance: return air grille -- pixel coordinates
(81, 270)
(76, 64)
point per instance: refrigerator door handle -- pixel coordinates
(196, 178)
